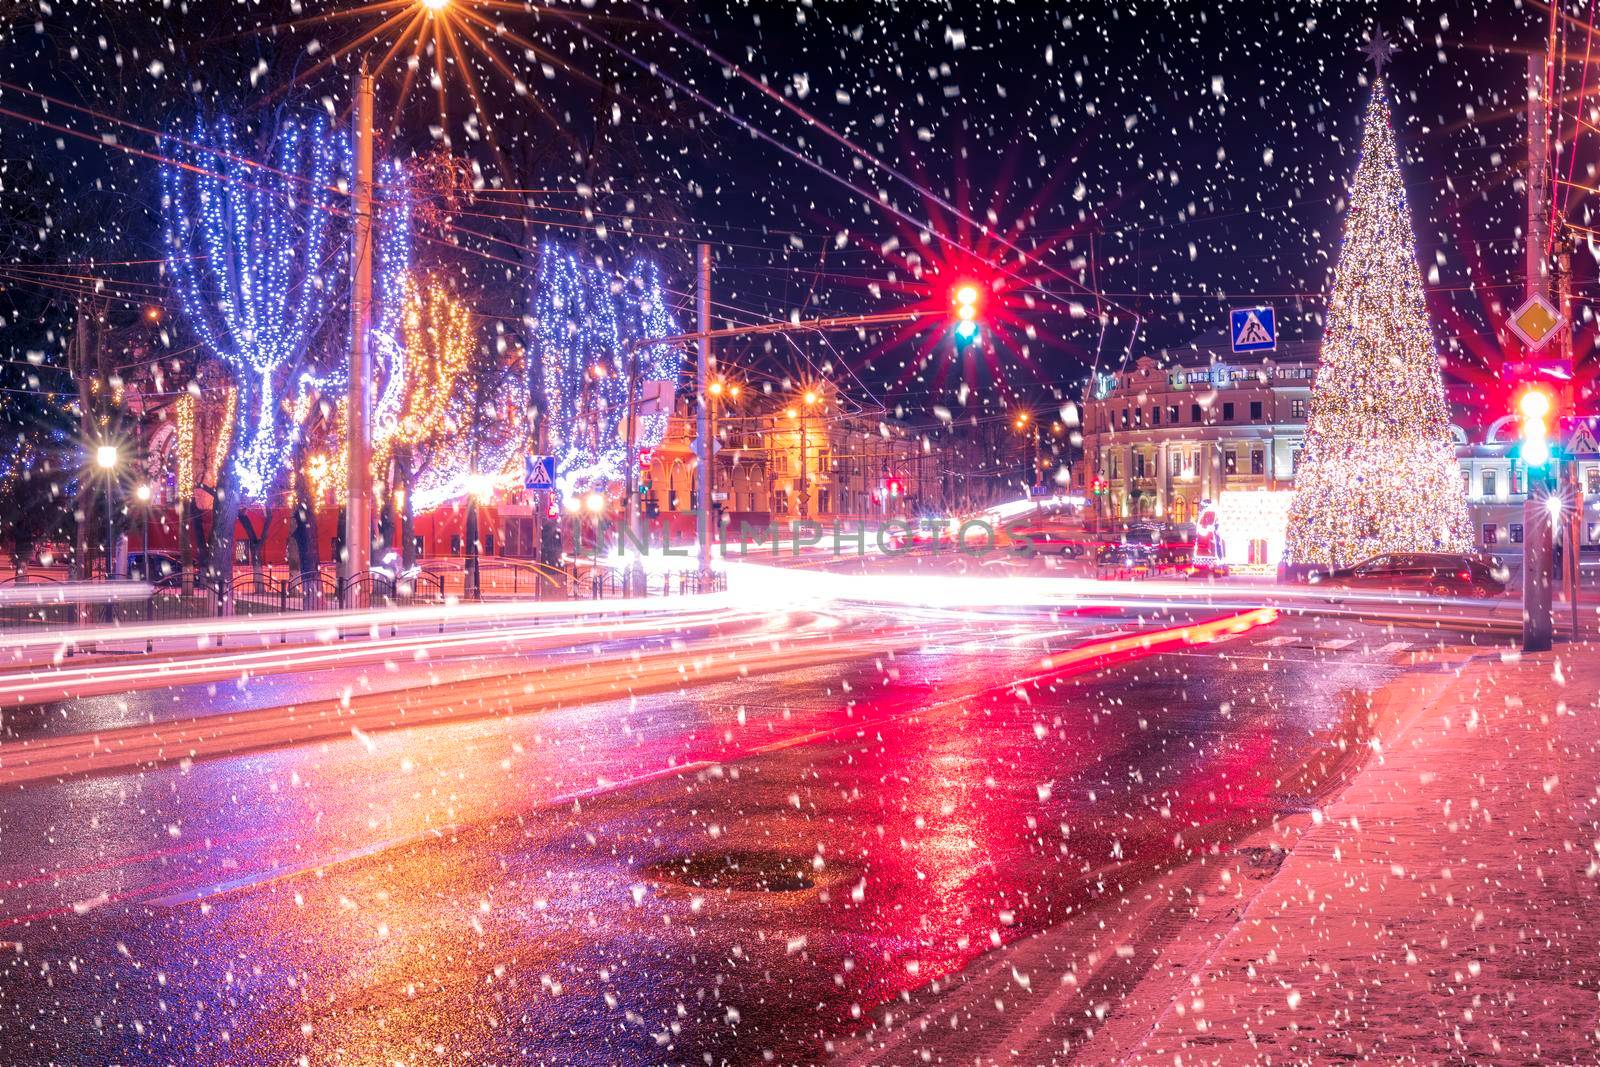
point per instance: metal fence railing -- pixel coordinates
(47, 600)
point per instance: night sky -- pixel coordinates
(1181, 158)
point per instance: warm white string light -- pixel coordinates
(1379, 471)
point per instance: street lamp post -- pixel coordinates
(478, 486)
(143, 495)
(357, 556)
(808, 399)
(715, 391)
(106, 458)
(805, 481)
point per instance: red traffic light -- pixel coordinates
(967, 295)
(968, 298)
(1536, 414)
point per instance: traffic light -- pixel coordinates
(1536, 414)
(967, 297)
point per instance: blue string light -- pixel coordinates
(393, 251)
(249, 248)
(583, 317)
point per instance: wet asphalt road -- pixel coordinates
(544, 888)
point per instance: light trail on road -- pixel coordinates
(142, 747)
(62, 683)
(326, 625)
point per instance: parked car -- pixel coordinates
(1433, 573)
(153, 566)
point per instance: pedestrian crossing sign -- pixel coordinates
(1582, 441)
(1253, 329)
(539, 473)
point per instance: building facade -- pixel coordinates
(1169, 433)
(782, 463)
(1172, 431)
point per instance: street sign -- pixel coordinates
(655, 397)
(1253, 329)
(646, 455)
(539, 473)
(1582, 439)
(1536, 322)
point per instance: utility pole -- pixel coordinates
(1571, 491)
(356, 558)
(633, 577)
(1538, 617)
(79, 366)
(702, 382)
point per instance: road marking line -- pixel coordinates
(1335, 644)
(1280, 640)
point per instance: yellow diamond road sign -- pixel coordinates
(1535, 321)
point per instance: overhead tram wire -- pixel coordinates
(822, 127)
(267, 168)
(733, 311)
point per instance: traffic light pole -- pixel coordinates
(703, 337)
(1538, 618)
(356, 557)
(1538, 607)
(704, 471)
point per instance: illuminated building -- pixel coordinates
(1190, 423)
(856, 466)
(1158, 457)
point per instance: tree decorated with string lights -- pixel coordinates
(584, 318)
(251, 247)
(1379, 471)
(437, 340)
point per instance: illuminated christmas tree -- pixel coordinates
(1379, 471)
